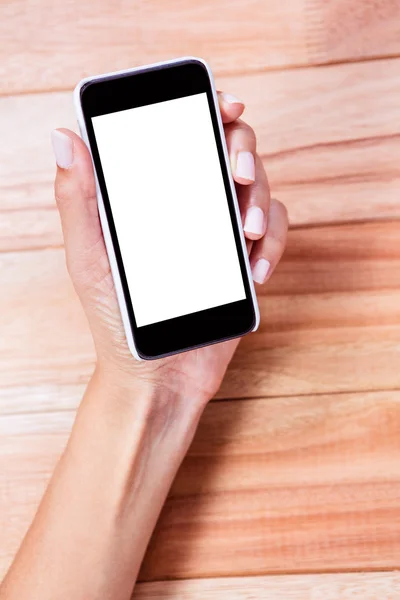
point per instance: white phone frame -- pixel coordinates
(103, 217)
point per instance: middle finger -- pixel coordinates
(254, 201)
(241, 142)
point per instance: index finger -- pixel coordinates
(231, 107)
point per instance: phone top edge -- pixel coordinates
(141, 69)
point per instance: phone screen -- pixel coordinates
(167, 196)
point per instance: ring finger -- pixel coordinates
(267, 251)
(254, 202)
(241, 142)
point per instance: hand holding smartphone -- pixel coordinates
(168, 207)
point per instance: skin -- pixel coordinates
(137, 419)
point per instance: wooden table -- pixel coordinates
(291, 489)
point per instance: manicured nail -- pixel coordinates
(63, 149)
(260, 270)
(254, 222)
(245, 168)
(231, 99)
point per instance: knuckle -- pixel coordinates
(278, 241)
(242, 130)
(273, 248)
(248, 131)
(282, 211)
(261, 187)
(260, 195)
(61, 192)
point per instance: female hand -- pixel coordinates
(197, 374)
(137, 419)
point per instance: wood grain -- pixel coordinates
(284, 485)
(337, 586)
(326, 159)
(28, 215)
(48, 343)
(348, 28)
(47, 45)
(330, 322)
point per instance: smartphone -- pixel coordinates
(168, 206)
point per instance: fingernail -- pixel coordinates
(245, 168)
(254, 222)
(260, 270)
(231, 99)
(63, 149)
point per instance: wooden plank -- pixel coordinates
(235, 36)
(348, 28)
(335, 586)
(325, 168)
(329, 317)
(330, 322)
(281, 485)
(347, 181)
(277, 485)
(344, 258)
(44, 333)
(27, 462)
(28, 215)
(327, 137)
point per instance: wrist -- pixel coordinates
(155, 389)
(123, 400)
(137, 434)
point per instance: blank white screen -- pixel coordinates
(167, 196)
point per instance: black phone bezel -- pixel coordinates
(122, 91)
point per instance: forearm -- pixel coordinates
(89, 536)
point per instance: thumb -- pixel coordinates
(87, 260)
(75, 193)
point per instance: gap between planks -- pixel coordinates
(257, 34)
(226, 74)
(384, 585)
(299, 136)
(69, 411)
